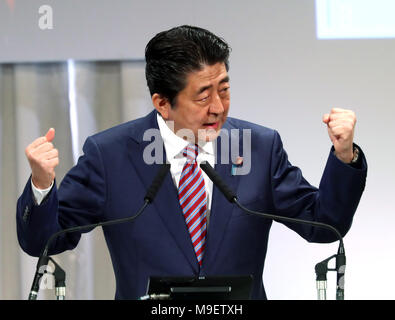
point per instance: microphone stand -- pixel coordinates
(322, 267)
(43, 260)
(60, 275)
(60, 281)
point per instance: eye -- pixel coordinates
(204, 99)
(224, 91)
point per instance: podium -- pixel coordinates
(200, 288)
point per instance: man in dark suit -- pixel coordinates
(187, 74)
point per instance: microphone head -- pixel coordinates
(155, 185)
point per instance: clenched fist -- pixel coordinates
(341, 125)
(43, 158)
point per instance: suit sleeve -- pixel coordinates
(334, 202)
(80, 200)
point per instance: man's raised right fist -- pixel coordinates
(43, 158)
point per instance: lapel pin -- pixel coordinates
(237, 164)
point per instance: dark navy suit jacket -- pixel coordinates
(110, 181)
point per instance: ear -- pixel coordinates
(162, 105)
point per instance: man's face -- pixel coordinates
(203, 104)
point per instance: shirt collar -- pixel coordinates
(174, 145)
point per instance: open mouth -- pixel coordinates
(211, 125)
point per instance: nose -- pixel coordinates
(216, 105)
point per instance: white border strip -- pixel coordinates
(73, 110)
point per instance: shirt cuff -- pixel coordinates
(39, 194)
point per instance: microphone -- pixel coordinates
(232, 198)
(43, 259)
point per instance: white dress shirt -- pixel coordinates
(174, 147)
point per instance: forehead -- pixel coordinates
(209, 75)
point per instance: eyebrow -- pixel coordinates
(202, 89)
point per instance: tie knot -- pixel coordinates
(191, 152)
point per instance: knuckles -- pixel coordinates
(43, 157)
(37, 157)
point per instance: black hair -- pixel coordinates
(171, 55)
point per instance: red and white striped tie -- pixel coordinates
(193, 201)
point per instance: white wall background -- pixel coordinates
(281, 77)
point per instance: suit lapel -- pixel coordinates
(166, 202)
(221, 208)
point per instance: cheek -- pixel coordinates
(227, 103)
(190, 120)
(226, 108)
(197, 116)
